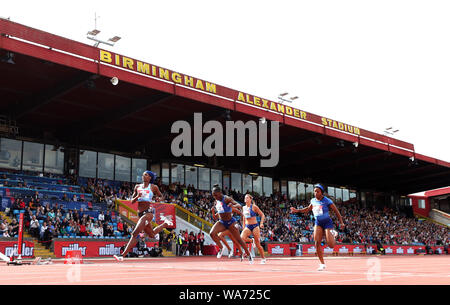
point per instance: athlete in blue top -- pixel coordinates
(251, 226)
(227, 232)
(143, 194)
(224, 207)
(320, 206)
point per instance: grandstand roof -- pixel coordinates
(432, 193)
(59, 90)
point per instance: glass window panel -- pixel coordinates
(191, 176)
(284, 187)
(123, 168)
(292, 188)
(138, 166)
(352, 194)
(345, 195)
(331, 193)
(338, 192)
(421, 203)
(156, 168)
(257, 184)
(247, 183)
(267, 186)
(177, 172)
(105, 166)
(33, 156)
(165, 173)
(10, 153)
(226, 181)
(301, 191)
(88, 163)
(309, 192)
(54, 160)
(236, 182)
(216, 177)
(276, 186)
(203, 178)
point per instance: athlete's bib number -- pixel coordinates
(219, 207)
(317, 210)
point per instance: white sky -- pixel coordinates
(372, 64)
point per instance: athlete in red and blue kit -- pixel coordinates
(320, 206)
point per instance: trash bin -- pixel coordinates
(293, 248)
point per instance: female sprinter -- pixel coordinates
(143, 194)
(224, 205)
(250, 211)
(227, 232)
(320, 206)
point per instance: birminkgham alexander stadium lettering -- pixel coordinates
(188, 81)
(284, 109)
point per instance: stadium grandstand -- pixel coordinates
(73, 145)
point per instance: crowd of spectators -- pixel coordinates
(362, 225)
(46, 223)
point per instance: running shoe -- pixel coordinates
(321, 267)
(250, 259)
(242, 257)
(230, 255)
(118, 258)
(263, 261)
(219, 255)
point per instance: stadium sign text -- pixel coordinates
(155, 71)
(147, 69)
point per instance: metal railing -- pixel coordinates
(193, 219)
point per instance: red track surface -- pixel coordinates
(391, 270)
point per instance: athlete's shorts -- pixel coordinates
(251, 227)
(149, 210)
(227, 223)
(326, 223)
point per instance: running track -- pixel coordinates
(374, 270)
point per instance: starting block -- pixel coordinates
(73, 257)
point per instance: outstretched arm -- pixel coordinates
(305, 210)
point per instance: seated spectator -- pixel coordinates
(44, 228)
(120, 227)
(101, 216)
(13, 228)
(34, 227)
(51, 214)
(97, 231)
(109, 231)
(4, 230)
(83, 231)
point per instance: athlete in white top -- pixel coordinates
(143, 194)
